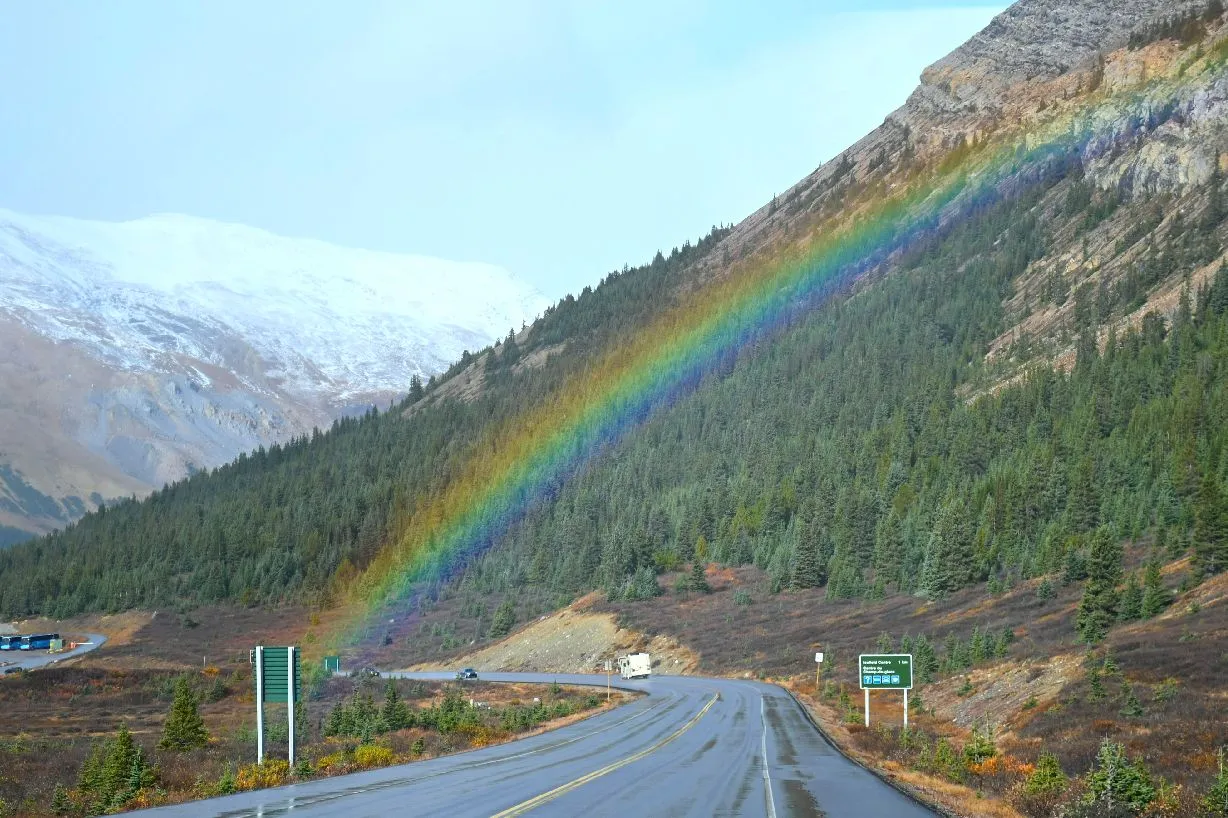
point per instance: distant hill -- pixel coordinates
(139, 352)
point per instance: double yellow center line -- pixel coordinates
(545, 797)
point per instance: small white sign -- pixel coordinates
(818, 657)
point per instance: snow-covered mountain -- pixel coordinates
(132, 353)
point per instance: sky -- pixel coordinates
(560, 139)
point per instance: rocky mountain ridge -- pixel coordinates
(139, 352)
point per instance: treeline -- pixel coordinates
(287, 522)
(847, 452)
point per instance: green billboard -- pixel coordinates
(885, 671)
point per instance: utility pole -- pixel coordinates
(609, 666)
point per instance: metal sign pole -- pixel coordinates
(867, 707)
(905, 708)
(259, 704)
(290, 698)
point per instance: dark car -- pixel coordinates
(467, 673)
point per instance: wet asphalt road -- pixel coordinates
(691, 747)
(30, 660)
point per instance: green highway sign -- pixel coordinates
(277, 675)
(885, 671)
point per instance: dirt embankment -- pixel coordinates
(573, 640)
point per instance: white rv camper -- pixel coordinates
(635, 666)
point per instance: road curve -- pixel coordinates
(31, 660)
(692, 747)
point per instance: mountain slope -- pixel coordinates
(145, 350)
(866, 391)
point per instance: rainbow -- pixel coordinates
(529, 458)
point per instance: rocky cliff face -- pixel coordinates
(1144, 81)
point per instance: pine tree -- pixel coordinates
(61, 804)
(1132, 708)
(1117, 781)
(949, 558)
(1095, 685)
(1155, 597)
(806, 572)
(1099, 605)
(1210, 526)
(184, 728)
(926, 660)
(395, 712)
(504, 619)
(1044, 591)
(1131, 606)
(699, 579)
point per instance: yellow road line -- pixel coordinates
(538, 800)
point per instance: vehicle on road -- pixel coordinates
(364, 673)
(29, 641)
(635, 666)
(468, 674)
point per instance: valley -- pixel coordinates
(960, 394)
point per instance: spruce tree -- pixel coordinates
(395, 713)
(1099, 605)
(1155, 596)
(504, 619)
(926, 660)
(949, 558)
(1131, 606)
(699, 580)
(184, 728)
(1210, 526)
(806, 572)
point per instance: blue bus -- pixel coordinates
(37, 641)
(9, 642)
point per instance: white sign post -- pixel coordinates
(818, 666)
(290, 698)
(260, 704)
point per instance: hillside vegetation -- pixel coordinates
(890, 441)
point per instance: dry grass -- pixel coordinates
(51, 719)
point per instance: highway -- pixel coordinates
(692, 747)
(30, 660)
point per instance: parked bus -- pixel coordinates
(37, 641)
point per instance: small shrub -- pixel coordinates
(303, 769)
(368, 756)
(60, 802)
(1045, 591)
(226, 784)
(271, 773)
(1166, 690)
(1038, 795)
(741, 597)
(333, 763)
(980, 747)
(419, 747)
(1132, 708)
(966, 689)
(1031, 703)
(1215, 802)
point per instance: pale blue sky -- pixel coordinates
(558, 139)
